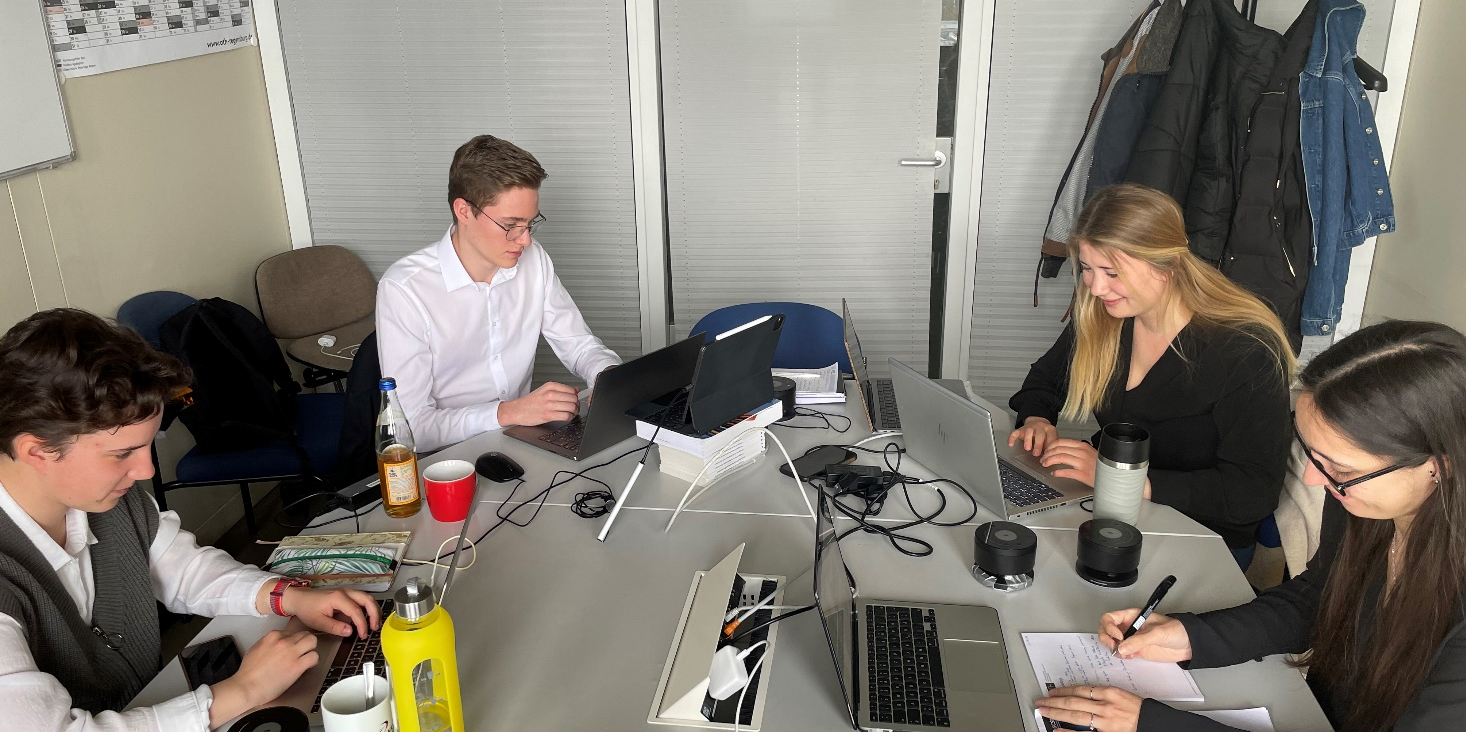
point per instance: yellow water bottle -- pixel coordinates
(418, 641)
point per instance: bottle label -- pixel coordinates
(401, 481)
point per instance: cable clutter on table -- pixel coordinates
(870, 487)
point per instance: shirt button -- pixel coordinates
(1384, 227)
(1324, 328)
(1376, 161)
(1369, 130)
(1379, 191)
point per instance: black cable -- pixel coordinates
(597, 502)
(745, 632)
(874, 498)
(542, 496)
(817, 414)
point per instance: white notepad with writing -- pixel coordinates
(1072, 659)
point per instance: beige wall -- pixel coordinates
(1420, 270)
(174, 187)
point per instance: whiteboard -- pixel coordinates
(33, 131)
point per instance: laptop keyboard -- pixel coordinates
(885, 398)
(352, 653)
(904, 667)
(1021, 490)
(567, 436)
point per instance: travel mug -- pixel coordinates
(1119, 474)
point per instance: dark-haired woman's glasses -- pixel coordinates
(1340, 486)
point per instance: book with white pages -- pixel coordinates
(815, 386)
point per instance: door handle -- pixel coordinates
(934, 162)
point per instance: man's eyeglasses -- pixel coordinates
(514, 231)
(1341, 486)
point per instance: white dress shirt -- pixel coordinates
(458, 348)
(186, 578)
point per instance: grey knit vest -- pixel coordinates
(105, 664)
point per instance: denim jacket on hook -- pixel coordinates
(1348, 189)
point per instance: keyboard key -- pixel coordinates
(1021, 490)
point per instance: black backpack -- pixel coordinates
(243, 393)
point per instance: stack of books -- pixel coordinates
(722, 451)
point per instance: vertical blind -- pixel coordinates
(383, 93)
(784, 126)
(1045, 73)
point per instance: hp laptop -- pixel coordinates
(877, 396)
(604, 422)
(953, 437)
(911, 666)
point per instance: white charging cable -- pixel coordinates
(793, 474)
(433, 576)
(738, 709)
(878, 436)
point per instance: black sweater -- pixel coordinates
(1216, 407)
(1281, 621)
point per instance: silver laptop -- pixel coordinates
(877, 396)
(953, 437)
(911, 666)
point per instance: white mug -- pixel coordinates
(344, 709)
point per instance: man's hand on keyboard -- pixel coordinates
(1079, 456)
(337, 611)
(551, 402)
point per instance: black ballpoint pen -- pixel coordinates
(1150, 606)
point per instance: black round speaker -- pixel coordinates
(1108, 553)
(273, 719)
(1004, 555)
(784, 392)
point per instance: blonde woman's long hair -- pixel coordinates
(1147, 225)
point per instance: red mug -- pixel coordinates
(449, 486)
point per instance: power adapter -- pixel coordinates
(854, 477)
(357, 496)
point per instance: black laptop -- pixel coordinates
(604, 421)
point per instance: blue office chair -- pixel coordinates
(317, 429)
(813, 337)
(1267, 532)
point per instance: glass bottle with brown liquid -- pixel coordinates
(396, 456)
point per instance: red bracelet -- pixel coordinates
(279, 592)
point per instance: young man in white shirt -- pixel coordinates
(458, 322)
(85, 555)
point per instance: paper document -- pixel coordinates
(815, 386)
(1073, 659)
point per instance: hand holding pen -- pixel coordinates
(1143, 633)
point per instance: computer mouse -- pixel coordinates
(498, 467)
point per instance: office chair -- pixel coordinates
(311, 456)
(306, 294)
(813, 337)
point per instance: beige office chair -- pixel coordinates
(305, 294)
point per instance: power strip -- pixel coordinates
(357, 496)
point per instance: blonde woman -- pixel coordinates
(1161, 339)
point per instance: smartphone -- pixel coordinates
(211, 661)
(814, 464)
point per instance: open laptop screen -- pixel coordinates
(852, 347)
(836, 600)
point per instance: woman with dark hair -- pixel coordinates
(86, 556)
(1163, 340)
(1378, 613)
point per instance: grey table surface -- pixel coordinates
(558, 631)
